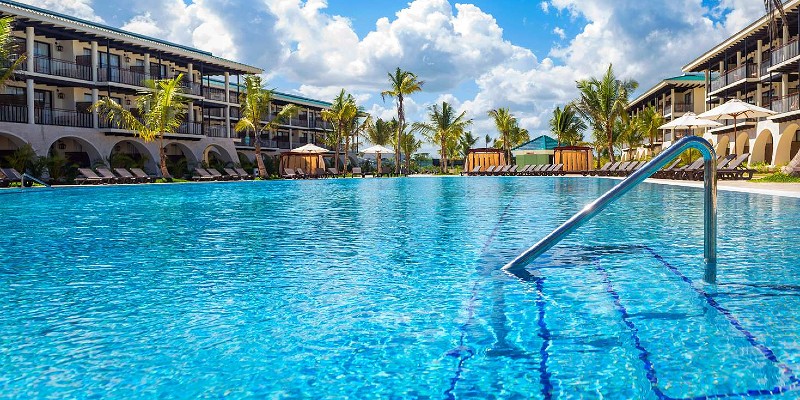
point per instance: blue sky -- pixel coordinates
(478, 55)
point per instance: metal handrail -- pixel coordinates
(593, 208)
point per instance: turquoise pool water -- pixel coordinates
(390, 288)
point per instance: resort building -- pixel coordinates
(761, 68)
(672, 98)
(72, 63)
(536, 151)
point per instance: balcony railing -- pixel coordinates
(190, 128)
(192, 88)
(299, 122)
(214, 94)
(58, 117)
(213, 113)
(734, 75)
(13, 113)
(786, 103)
(67, 69)
(683, 107)
(322, 125)
(120, 75)
(218, 131)
(765, 67)
(785, 52)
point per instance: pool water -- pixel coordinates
(391, 288)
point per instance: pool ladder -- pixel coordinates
(658, 162)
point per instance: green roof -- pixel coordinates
(102, 26)
(688, 77)
(543, 142)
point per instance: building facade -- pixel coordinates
(71, 63)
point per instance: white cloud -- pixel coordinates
(545, 7)
(560, 32)
(77, 8)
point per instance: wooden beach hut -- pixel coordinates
(308, 162)
(574, 158)
(485, 158)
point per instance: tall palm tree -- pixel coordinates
(487, 139)
(10, 59)
(162, 109)
(254, 105)
(443, 128)
(408, 145)
(567, 126)
(505, 123)
(342, 114)
(466, 143)
(649, 120)
(403, 83)
(380, 132)
(629, 131)
(602, 102)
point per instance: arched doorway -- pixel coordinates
(9, 144)
(216, 156)
(742, 143)
(762, 148)
(130, 153)
(788, 145)
(76, 151)
(180, 159)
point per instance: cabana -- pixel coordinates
(574, 158)
(308, 162)
(485, 158)
(536, 151)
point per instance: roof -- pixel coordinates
(754, 31)
(542, 142)
(73, 27)
(666, 85)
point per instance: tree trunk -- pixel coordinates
(162, 157)
(378, 172)
(609, 136)
(346, 151)
(338, 145)
(401, 122)
(262, 170)
(443, 159)
(408, 163)
(793, 168)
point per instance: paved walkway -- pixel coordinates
(775, 189)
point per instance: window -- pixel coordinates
(43, 99)
(41, 49)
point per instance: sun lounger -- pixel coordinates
(125, 176)
(665, 172)
(688, 171)
(488, 171)
(320, 173)
(107, 175)
(242, 173)
(217, 175)
(593, 172)
(11, 175)
(87, 175)
(232, 174)
(357, 171)
(698, 174)
(502, 170)
(472, 172)
(524, 170)
(557, 169)
(288, 173)
(736, 170)
(141, 175)
(300, 174)
(610, 170)
(201, 174)
(628, 168)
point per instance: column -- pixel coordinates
(95, 61)
(95, 116)
(227, 107)
(290, 139)
(759, 86)
(738, 59)
(29, 94)
(190, 66)
(190, 112)
(147, 66)
(784, 92)
(29, 43)
(674, 101)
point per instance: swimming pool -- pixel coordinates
(390, 288)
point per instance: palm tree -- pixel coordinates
(403, 83)
(511, 135)
(162, 109)
(10, 59)
(380, 132)
(342, 114)
(408, 145)
(567, 126)
(444, 128)
(254, 105)
(629, 132)
(649, 121)
(602, 102)
(466, 143)
(488, 140)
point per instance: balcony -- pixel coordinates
(192, 88)
(190, 128)
(299, 122)
(13, 113)
(322, 125)
(683, 107)
(63, 68)
(217, 131)
(58, 117)
(733, 76)
(120, 75)
(214, 94)
(784, 53)
(786, 104)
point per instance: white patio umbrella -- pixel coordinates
(735, 108)
(310, 148)
(378, 150)
(689, 121)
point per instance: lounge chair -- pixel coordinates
(141, 175)
(10, 175)
(300, 174)
(610, 170)
(690, 170)
(628, 168)
(357, 171)
(320, 173)
(698, 174)
(666, 171)
(488, 171)
(334, 173)
(232, 174)
(288, 173)
(524, 170)
(242, 173)
(106, 174)
(502, 170)
(736, 169)
(472, 172)
(558, 169)
(87, 175)
(201, 174)
(594, 172)
(512, 171)
(125, 176)
(217, 175)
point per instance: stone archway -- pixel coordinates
(131, 153)
(788, 145)
(762, 148)
(722, 147)
(742, 144)
(180, 159)
(76, 151)
(9, 143)
(214, 154)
